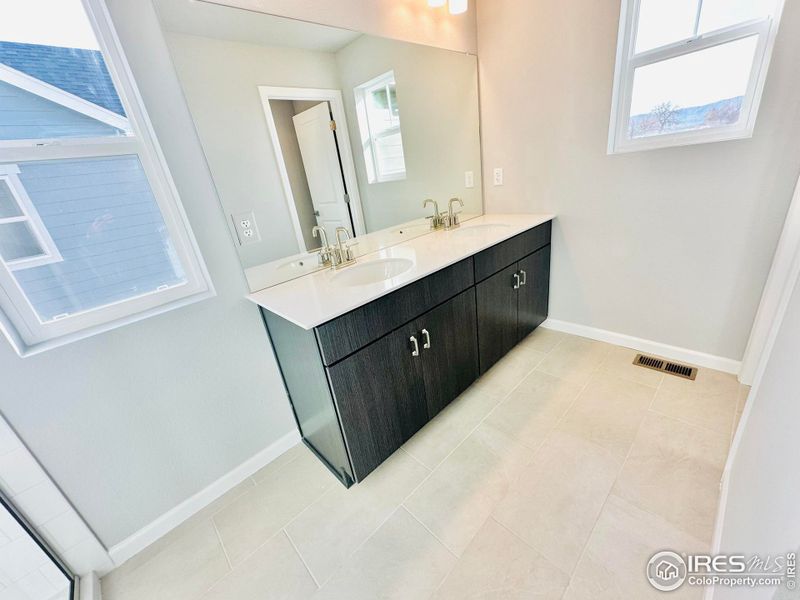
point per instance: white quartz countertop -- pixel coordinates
(317, 298)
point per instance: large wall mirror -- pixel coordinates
(306, 126)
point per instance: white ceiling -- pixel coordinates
(206, 19)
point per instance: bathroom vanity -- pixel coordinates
(371, 353)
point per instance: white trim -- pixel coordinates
(79, 549)
(781, 284)
(700, 359)
(627, 61)
(9, 173)
(149, 534)
(783, 274)
(368, 137)
(334, 97)
(62, 97)
(89, 587)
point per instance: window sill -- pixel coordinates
(24, 350)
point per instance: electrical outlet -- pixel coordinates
(498, 176)
(469, 179)
(246, 228)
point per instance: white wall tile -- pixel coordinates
(9, 526)
(21, 557)
(36, 496)
(65, 531)
(19, 471)
(54, 576)
(36, 586)
(41, 503)
(12, 593)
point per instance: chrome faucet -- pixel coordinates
(325, 251)
(451, 221)
(342, 256)
(437, 220)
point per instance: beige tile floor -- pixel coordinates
(557, 475)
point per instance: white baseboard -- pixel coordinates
(700, 359)
(171, 519)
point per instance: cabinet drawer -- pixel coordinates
(350, 332)
(498, 257)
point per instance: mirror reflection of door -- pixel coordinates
(311, 157)
(316, 136)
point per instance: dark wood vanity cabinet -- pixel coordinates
(514, 301)
(534, 292)
(380, 393)
(387, 391)
(497, 316)
(362, 384)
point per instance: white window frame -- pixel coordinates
(18, 319)
(9, 174)
(368, 137)
(628, 61)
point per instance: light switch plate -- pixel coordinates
(246, 228)
(498, 176)
(469, 179)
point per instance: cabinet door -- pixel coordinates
(380, 394)
(535, 292)
(497, 316)
(450, 363)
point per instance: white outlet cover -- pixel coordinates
(246, 228)
(498, 176)
(469, 179)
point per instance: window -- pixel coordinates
(690, 71)
(24, 240)
(92, 233)
(379, 124)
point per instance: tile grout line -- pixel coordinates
(248, 556)
(702, 428)
(222, 544)
(416, 460)
(608, 495)
(616, 479)
(300, 556)
(432, 471)
(534, 451)
(436, 537)
(550, 435)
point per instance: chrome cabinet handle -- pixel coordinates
(516, 281)
(524, 277)
(427, 343)
(415, 351)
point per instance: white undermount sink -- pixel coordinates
(475, 230)
(374, 271)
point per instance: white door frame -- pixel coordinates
(781, 283)
(777, 291)
(334, 97)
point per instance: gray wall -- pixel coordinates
(220, 81)
(669, 245)
(437, 94)
(132, 422)
(764, 482)
(282, 113)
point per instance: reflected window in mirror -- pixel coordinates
(379, 125)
